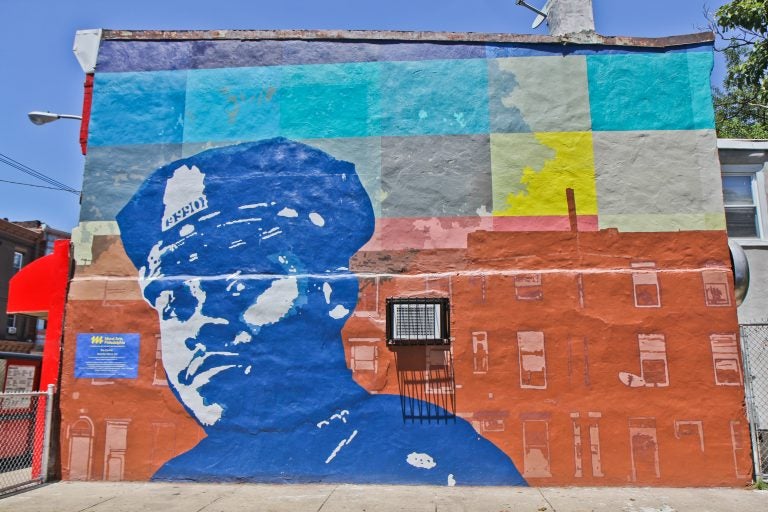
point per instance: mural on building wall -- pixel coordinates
(272, 194)
(243, 251)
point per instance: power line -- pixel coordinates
(28, 170)
(32, 185)
(36, 174)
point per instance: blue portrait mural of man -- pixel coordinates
(243, 251)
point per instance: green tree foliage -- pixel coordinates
(737, 113)
(741, 107)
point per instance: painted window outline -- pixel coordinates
(439, 379)
(529, 287)
(717, 290)
(652, 352)
(757, 183)
(645, 278)
(684, 428)
(363, 357)
(643, 436)
(365, 288)
(725, 358)
(532, 359)
(479, 358)
(537, 445)
(158, 375)
(418, 321)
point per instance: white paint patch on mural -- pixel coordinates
(209, 216)
(342, 444)
(338, 312)
(240, 221)
(274, 303)
(451, 480)
(288, 212)
(317, 219)
(421, 460)
(327, 292)
(242, 337)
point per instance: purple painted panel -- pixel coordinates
(121, 56)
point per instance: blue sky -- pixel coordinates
(41, 73)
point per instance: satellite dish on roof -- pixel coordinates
(541, 14)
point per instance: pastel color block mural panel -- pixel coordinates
(445, 97)
(530, 171)
(651, 91)
(157, 101)
(539, 94)
(367, 153)
(232, 104)
(117, 172)
(329, 101)
(443, 176)
(629, 165)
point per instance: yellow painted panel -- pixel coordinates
(532, 171)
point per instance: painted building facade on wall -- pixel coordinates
(253, 200)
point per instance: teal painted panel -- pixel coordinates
(668, 91)
(329, 101)
(435, 97)
(232, 104)
(137, 108)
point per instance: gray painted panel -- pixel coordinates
(114, 173)
(657, 172)
(435, 176)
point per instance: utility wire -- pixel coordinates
(28, 170)
(32, 185)
(21, 167)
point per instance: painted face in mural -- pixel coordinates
(242, 251)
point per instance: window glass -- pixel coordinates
(18, 261)
(737, 190)
(741, 217)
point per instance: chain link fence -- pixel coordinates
(25, 426)
(754, 339)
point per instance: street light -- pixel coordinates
(48, 117)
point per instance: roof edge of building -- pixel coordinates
(586, 37)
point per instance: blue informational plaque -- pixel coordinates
(107, 356)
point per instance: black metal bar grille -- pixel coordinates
(429, 394)
(418, 321)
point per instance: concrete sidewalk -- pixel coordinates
(164, 497)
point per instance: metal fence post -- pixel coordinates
(47, 434)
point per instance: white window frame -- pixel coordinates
(757, 174)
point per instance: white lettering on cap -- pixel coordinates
(184, 196)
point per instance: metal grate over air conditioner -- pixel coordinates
(418, 321)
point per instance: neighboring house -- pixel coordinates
(743, 167)
(744, 164)
(21, 243)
